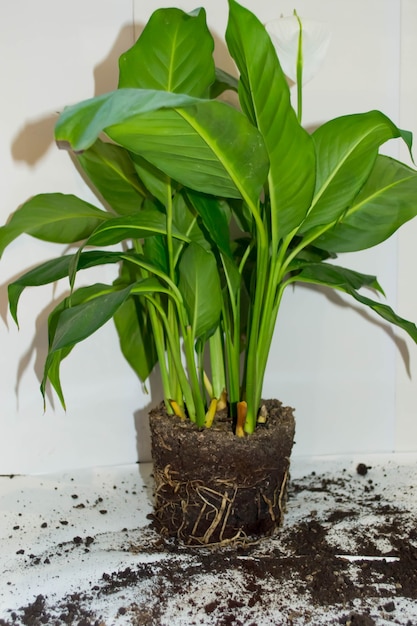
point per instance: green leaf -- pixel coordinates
(347, 149)
(385, 202)
(54, 270)
(336, 277)
(80, 316)
(54, 217)
(156, 182)
(387, 314)
(224, 82)
(209, 147)
(136, 337)
(76, 323)
(349, 281)
(199, 285)
(155, 251)
(53, 363)
(265, 97)
(173, 53)
(185, 220)
(215, 216)
(89, 308)
(79, 125)
(206, 145)
(111, 171)
(147, 223)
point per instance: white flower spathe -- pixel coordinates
(284, 33)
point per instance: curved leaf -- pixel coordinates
(199, 285)
(346, 148)
(112, 172)
(147, 223)
(215, 216)
(76, 323)
(336, 277)
(173, 53)
(206, 145)
(54, 270)
(55, 217)
(349, 282)
(156, 182)
(385, 202)
(79, 125)
(80, 315)
(136, 337)
(209, 147)
(265, 97)
(224, 82)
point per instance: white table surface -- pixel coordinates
(46, 522)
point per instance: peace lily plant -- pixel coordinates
(210, 212)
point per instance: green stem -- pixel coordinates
(159, 338)
(160, 350)
(251, 365)
(172, 314)
(176, 359)
(218, 377)
(199, 414)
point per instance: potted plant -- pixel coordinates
(214, 211)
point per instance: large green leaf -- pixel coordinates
(79, 125)
(385, 202)
(265, 97)
(349, 281)
(173, 53)
(112, 172)
(55, 217)
(209, 147)
(346, 148)
(206, 145)
(199, 285)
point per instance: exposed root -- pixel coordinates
(283, 494)
(206, 515)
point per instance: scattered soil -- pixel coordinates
(303, 575)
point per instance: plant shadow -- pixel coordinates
(36, 137)
(337, 300)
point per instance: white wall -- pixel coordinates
(343, 370)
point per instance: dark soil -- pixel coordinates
(213, 487)
(302, 574)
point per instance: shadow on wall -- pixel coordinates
(36, 137)
(337, 300)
